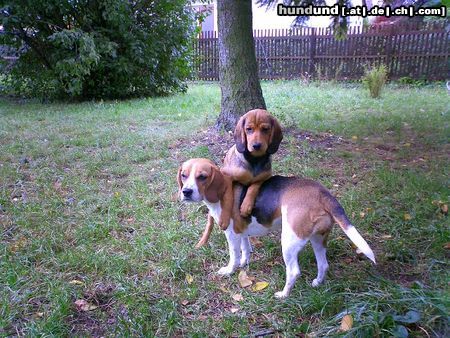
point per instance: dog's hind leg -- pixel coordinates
(319, 244)
(291, 246)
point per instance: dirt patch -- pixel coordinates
(103, 315)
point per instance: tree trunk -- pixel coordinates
(238, 70)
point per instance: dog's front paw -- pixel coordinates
(225, 271)
(316, 282)
(246, 209)
(244, 262)
(281, 294)
(223, 225)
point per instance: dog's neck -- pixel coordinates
(257, 164)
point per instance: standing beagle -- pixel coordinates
(302, 208)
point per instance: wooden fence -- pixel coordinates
(410, 49)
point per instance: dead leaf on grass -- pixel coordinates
(19, 244)
(407, 217)
(260, 286)
(346, 323)
(244, 280)
(386, 236)
(223, 288)
(83, 306)
(76, 282)
(256, 242)
(444, 209)
(237, 297)
(234, 309)
(184, 302)
(447, 246)
(189, 278)
(38, 315)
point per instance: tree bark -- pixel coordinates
(238, 70)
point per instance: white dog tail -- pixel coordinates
(339, 216)
(360, 242)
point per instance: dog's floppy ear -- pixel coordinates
(180, 184)
(239, 135)
(216, 187)
(275, 136)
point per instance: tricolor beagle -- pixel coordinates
(302, 208)
(257, 136)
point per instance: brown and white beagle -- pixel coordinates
(302, 208)
(257, 136)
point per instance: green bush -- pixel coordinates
(97, 49)
(375, 78)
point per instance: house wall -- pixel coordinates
(267, 18)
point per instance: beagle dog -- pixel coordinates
(302, 208)
(207, 183)
(257, 136)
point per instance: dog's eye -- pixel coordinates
(265, 129)
(201, 177)
(183, 176)
(249, 130)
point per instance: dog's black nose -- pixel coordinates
(257, 146)
(187, 192)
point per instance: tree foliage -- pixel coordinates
(339, 24)
(85, 49)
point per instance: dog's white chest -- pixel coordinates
(214, 209)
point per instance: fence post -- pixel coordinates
(312, 51)
(389, 50)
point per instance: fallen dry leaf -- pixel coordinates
(76, 282)
(244, 280)
(407, 217)
(223, 288)
(354, 137)
(386, 236)
(237, 297)
(260, 286)
(234, 309)
(256, 242)
(189, 278)
(184, 302)
(444, 209)
(346, 323)
(362, 214)
(437, 202)
(447, 246)
(83, 306)
(38, 315)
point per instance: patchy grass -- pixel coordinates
(87, 212)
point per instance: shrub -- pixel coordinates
(375, 79)
(98, 49)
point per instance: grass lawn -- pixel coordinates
(87, 212)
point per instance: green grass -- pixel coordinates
(87, 212)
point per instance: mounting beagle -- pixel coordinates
(302, 208)
(257, 136)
